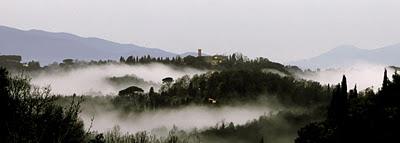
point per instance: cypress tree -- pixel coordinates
(386, 81)
(353, 93)
(344, 86)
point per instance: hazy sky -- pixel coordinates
(282, 30)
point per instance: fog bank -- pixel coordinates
(185, 118)
(93, 79)
(363, 75)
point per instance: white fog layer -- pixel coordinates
(362, 74)
(186, 118)
(93, 79)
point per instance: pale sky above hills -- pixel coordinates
(282, 30)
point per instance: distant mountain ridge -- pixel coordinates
(47, 47)
(348, 55)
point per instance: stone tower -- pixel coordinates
(199, 53)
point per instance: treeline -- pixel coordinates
(217, 62)
(233, 61)
(115, 135)
(224, 88)
(359, 116)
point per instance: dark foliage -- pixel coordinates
(130, 90)
(217, 62)
(29, 115)
(359, 117)
(127, 80)
(226, 87)
(13, 63)
(277, 128)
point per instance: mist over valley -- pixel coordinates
(199, 71)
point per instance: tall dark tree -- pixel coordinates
(122, 60)
(344, 86)
(338, 106)
(353, 93)
(386, 81)
(262, 140)
(151, 91)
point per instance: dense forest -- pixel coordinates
(359, 116)
(309, 112)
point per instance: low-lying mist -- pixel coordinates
(364, 75)
(162, 120)
(93, 79)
